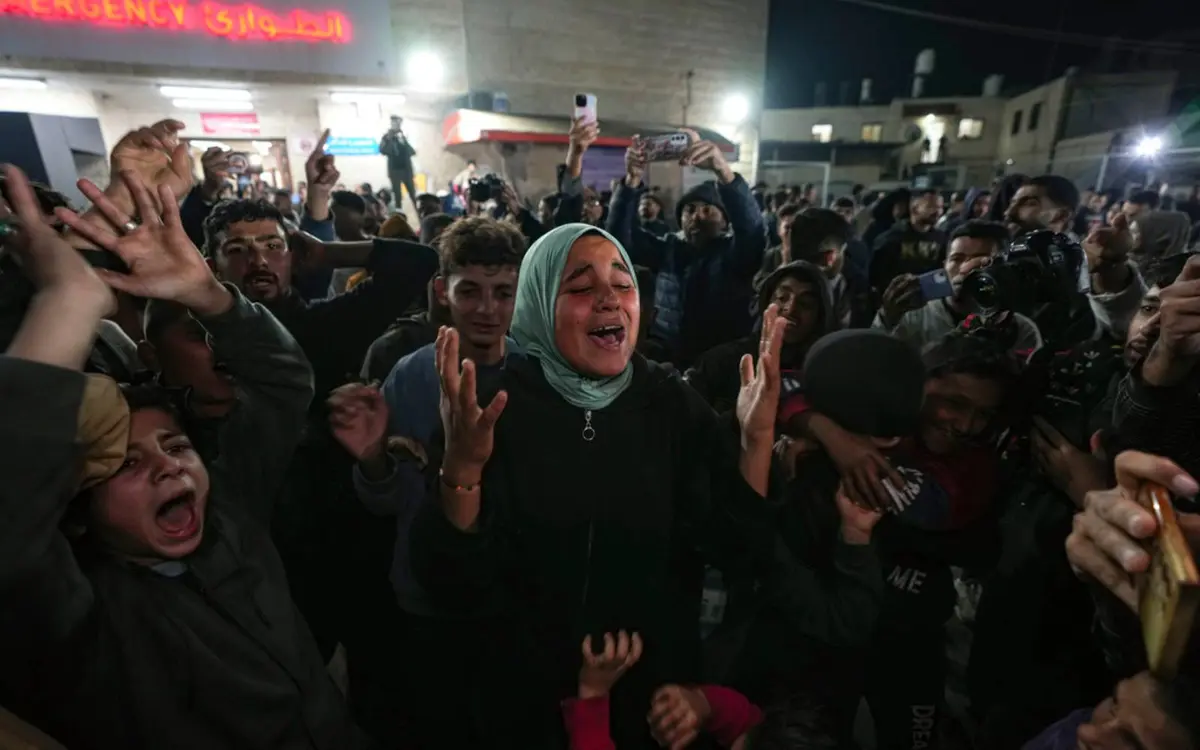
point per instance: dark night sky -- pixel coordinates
(833, 41)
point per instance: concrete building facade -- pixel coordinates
(1067, 125)
(670, 62)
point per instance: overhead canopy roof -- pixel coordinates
(474, 126)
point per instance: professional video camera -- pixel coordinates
(1038, 270)
(483, 189)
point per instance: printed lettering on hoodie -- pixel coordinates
(908, 580)
(923, 719)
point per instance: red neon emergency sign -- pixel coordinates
(206, 17)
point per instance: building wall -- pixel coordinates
(796, 124)
(632, 54)
(1029, 149)
(1112, 102)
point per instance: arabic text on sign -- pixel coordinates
(207, 17)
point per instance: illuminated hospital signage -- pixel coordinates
(207, 17)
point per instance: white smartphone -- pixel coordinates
(585, 107)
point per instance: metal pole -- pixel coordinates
(825, 183)
(1103, 171)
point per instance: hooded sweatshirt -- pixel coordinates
(716, 376)
(968, 211)
(1162, 234)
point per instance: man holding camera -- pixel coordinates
(907, 312)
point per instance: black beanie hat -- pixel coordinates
(705, 192)
(867, 381)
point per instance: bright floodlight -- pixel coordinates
(424, 70)
(735, 108)
(1149, 146)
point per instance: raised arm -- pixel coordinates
(274, 380)
(644, 248)
(46, 430)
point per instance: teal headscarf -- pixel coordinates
(533, 317)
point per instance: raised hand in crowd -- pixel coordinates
(1073, 471)
(70, 300)
(1107, 249)
(758, 401)
(157, 157)
(706, 155)
(322, 174)
(903, 295)
(581, 137)
(215, 164)
(511, 200)
(600, 671)
(469, 429)
(1177, 351)
(163, 263)
(857, 522)
(677, 715)
(358, 418)
(1107, 543)
(635, 162)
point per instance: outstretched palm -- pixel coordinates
(163, 263)
(758, 399)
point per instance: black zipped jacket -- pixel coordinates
(580, 537)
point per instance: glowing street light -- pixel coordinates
(424, 70)
(1148, 147)
(735, 108)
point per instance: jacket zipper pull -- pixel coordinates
(589, 432)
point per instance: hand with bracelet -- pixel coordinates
(469, 431)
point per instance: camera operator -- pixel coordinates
(906, 314)
(1050, 202)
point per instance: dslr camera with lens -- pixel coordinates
(488, 187)
(1038, 271)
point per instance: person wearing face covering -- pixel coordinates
(587, 494)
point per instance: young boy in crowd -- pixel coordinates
(802, 294)
(165, 618)
(477, 286)
(912, 246)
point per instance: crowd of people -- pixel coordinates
(588, 473)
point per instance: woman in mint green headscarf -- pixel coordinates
(586, 497)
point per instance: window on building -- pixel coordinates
(1016, 123)
(969, 129)
(872, 132)
(822, 133)
(1035, 116)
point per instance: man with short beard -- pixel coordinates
(1049, 202)
(702, 294)
(319, 527)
